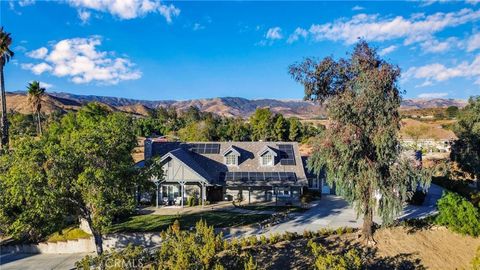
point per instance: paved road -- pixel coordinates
(39, 261)
(333, 212)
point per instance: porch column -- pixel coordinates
(182, 191)
(204, 194)
(249, 192)
(161, 193)
(157, 183)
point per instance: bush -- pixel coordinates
(476, 260)
(326, 260)
(458, 214)
(127, 258)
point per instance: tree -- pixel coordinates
(280, 128)
(294, 131)
(452, 111)
(466, 149)
(261, 122)
(35, 96)
(5, 55)
(360, 150)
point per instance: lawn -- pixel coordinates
(70, 233)
(155, 223)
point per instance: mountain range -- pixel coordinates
(224, 106)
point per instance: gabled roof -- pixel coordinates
(211, 165)
(184, 157)
(233, 149)
(267, 149)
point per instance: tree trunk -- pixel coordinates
(98, 241)
(367, 228)
(39, 123)
(3, 120)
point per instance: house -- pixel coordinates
(215, 171)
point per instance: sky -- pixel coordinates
(147, 49)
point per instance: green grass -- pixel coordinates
(70, 233)
(275, 208)
(155, 223)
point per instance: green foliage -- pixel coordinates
(81, 166)
(190, 250)
(250, 264)
(294, 130)
(452, 111)
(458, 214)
(466, 150)
(280, 128)
(326, 260)
(262, 124)
(35, 95)
(476, 260)
(360, 151)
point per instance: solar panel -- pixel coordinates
(260, 176)
(205, 148)
(287, 156)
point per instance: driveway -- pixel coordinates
(334, 212)
(39, 261)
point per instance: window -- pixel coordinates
(283, 192)
(231, 160)
(267, 160)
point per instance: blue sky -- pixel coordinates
(146, 49)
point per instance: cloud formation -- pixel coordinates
(387, 50)
(126, 9)
(473, 43)
(437, 72)
(80, 61)
(372, 27)
(274, 33)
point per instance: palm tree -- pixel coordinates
(35, 95)
(5, 55)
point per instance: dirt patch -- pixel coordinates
(397, 248)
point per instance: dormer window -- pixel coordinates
(267, 160)
(267, 156)
(231, 160)
(231, 156)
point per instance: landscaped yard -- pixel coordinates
(70, 233)
(218, 219)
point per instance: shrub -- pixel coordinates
(340, 231)
(476, 260)
(307, 234)
(250, 264)
(326, 260)
(252, 240)
(274, 238)
(127, 258)
(458, 214)
(263, 239)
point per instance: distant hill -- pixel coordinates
(224, 106)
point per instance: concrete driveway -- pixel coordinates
(334, 212)
(39, 261)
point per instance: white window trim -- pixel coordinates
(271, 163)
(235, 158)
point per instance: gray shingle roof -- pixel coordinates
(213, 165)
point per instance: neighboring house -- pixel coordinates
(430, 145)
(215, 171)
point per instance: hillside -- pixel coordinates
(224, 106)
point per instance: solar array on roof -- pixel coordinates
(205, 148)
(260, 176)
(287, 156)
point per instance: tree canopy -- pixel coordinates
(360, 150)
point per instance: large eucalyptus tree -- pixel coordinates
(360, 150)
(5, 55)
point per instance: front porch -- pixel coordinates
(177, 193)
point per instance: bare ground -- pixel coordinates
(397, 248)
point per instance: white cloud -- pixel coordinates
(437, 72)
(299, 32)
(198, 26)
(38, 53)
(357, 7)
(46, 85)
(274, 33)
(128, 9)
(473, 43)
(417, 28)
(24, 3)
(388, 50)
(80, 61)
(434, 46)
(433, 95)
(84, 15)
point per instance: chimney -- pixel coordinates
(148, 145)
